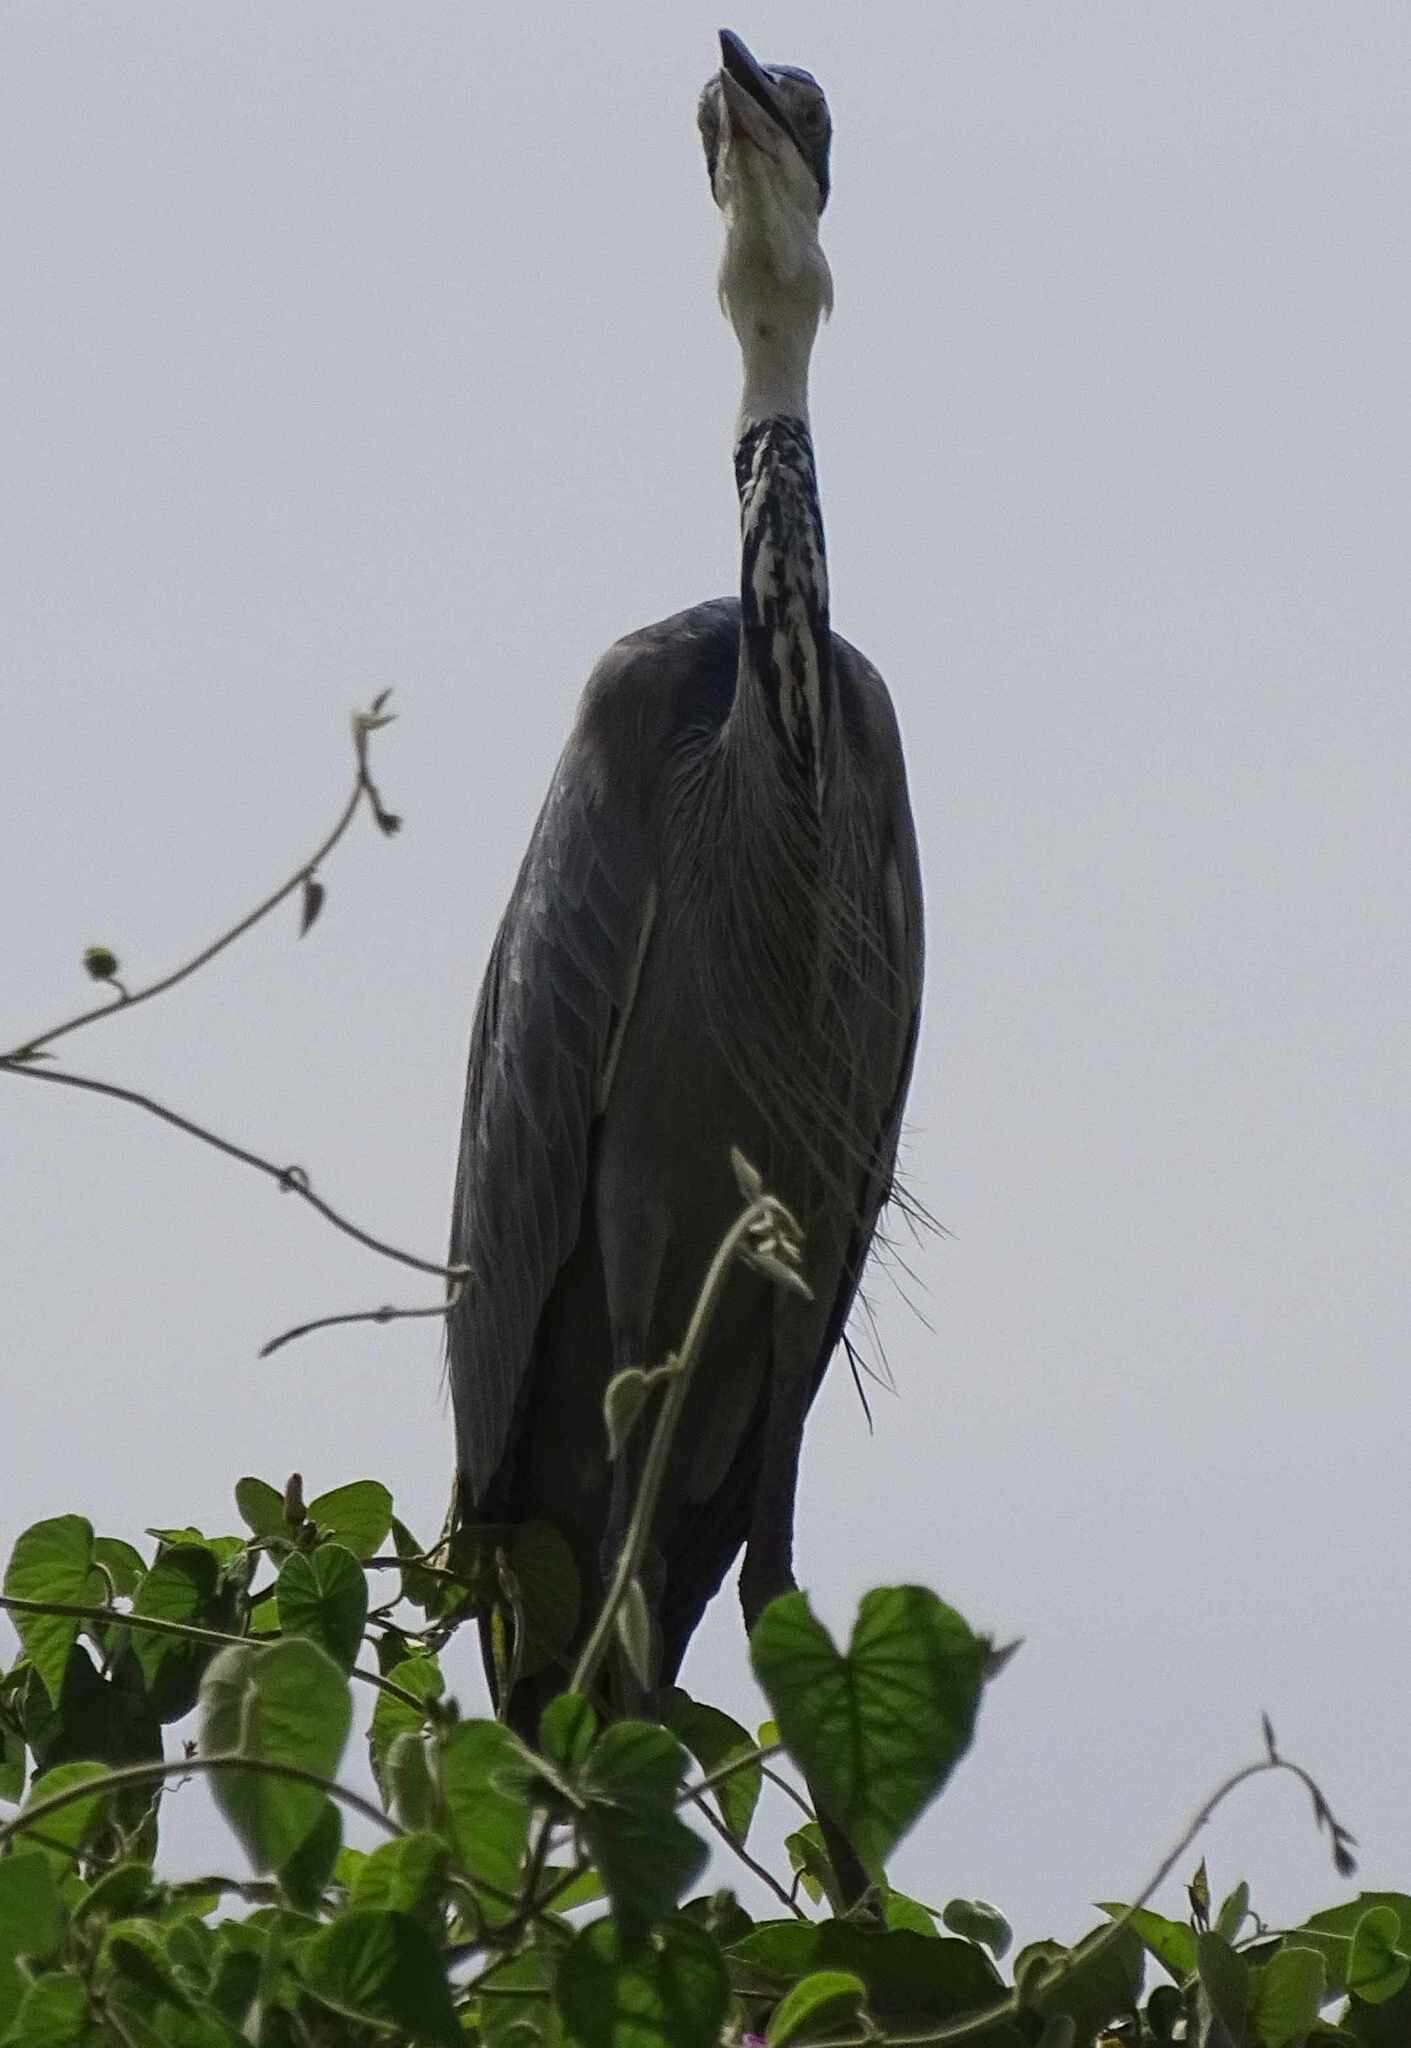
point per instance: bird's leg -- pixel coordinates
(768, 1570)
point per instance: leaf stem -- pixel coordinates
(192, 1767)
(158, 1625)
(634, 1547)
(132, 1000)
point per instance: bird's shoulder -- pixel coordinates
(866, 704)
(677, 671)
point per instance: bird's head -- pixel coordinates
(767, 135)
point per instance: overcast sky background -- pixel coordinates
(349, 346)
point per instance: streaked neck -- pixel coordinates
(786, 667)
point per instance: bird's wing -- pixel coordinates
(559, 984)
(703, 1556)
(890, 1060)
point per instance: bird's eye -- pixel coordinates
(813, 117)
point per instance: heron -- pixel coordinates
(714, 942)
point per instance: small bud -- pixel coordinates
(747, 1177)
(634, 1632)
(312, 903)
(100, 963)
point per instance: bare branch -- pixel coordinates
(363, 790)
(439, 1310)
(153, 1624)
(290, 1179)
(737, 1848)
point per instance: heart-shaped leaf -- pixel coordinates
(288, 1704)
(323, 1595)
(877, 1732)
(625, 1990)
(51, 1561)
(383, 1967)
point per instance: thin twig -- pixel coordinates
(758, 1214)
(737, 1848)
(980, 2022)
(742, 1762)
(289, 1179)
(363, 788)
(388, 1314)
(24, 1058)
(792, 1791)
(193, 1767)
(157, 1625)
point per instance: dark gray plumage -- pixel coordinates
(714, 940)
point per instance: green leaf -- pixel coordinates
(1376, 1968)
(404, 1876)
(644, 1853)
(809, 1859)
(324, 1597)
(632, 1624)
(549, 1592)
(1172, 1942)
(288, 1704)
(519, 2012)
(584, 1890)
(1380, 2026)
(419, 1586)
(1290, 1990)
(52, 2014)
(12, 1763)
(118, 1894)
(391, 1717)
(714, 1740)
(877, 1732)
(411, 1790)
(487, 1805)
(1233, 1913)
(901, 1912)
(975, 1920)
(305, 1875)
(51, 1561)
(357, 1516)
(261, 1508)
(31, 1921)
(1331, 1933)
(124, 1565)
(823, 2001)
(1101, 1980)
(627, 1394)
(136, 1952)
(65, 1832)
(618, 1989)
(568, 1728)
(383, 1967)
(905, 1974)
(180, 1587)
(1224, 1979)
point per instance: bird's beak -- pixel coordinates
(751, 103)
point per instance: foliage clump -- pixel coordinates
(540, 1895)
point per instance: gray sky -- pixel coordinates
(352, 345)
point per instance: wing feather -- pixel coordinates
(560, 980)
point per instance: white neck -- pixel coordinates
(775, 290)
(776, 358)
